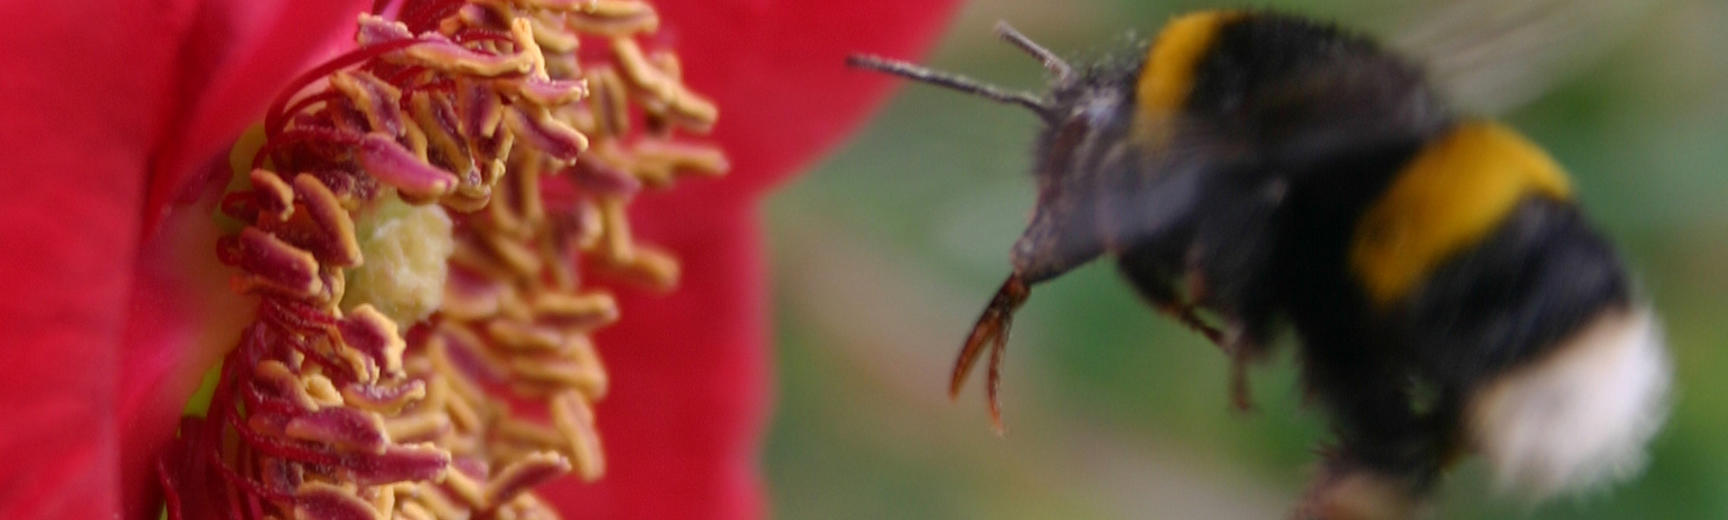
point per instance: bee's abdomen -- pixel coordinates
(1534, 328)
(1510, 297)
(1459, 188)
(1474, 259)
(1560, 370)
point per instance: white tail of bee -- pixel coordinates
(1579, 417)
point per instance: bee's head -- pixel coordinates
(1083, 130)
(1083, 148)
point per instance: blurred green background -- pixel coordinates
(885, 252)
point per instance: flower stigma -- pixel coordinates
(407, 250)
(418, 226)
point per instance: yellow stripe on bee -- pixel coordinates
(1456, 190)
(1167, 77)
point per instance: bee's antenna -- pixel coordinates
(943, 79)
(1052, 63)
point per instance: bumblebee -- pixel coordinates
(1252, 172)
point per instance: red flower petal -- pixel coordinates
(82, 87)
(682, 421)
(777, 70)
(96, 94)
(237, 56)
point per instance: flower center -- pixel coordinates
(407, 250)
(413, 225)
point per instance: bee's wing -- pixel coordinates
(1491, 56)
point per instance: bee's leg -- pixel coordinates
(1241, 350)
(1240, 339)
(1155, 280)
(1358, 481)
(1347, 490)
(1154, 276)
(1184, 313)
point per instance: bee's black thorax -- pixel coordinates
(1297, 88)
(1286, 131)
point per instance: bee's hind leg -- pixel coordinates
(1242, 351)
(1345, 489)
(1155, 279)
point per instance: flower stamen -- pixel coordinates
(412, 226)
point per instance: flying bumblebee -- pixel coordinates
(1446, 293)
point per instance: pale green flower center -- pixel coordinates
(406, 251)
